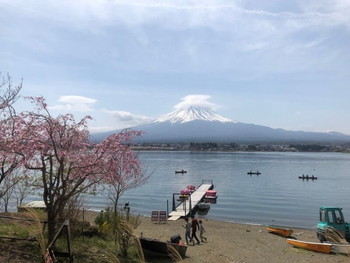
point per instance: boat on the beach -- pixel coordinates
(35, 205)
(161, 247)
(181, 172)
(280, 230)
(313, 246)
(257, 173)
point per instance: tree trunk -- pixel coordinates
(51, 224)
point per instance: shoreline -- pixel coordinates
(230, 242)
(218, 220)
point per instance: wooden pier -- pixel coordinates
(186, 206)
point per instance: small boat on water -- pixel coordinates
(203, 205)
(211, 194)
(313, 246)
(280, 230)
(307, 177)
(257, 173)
(161, 247)
(181, 172)
(192, 188)
(185, 192)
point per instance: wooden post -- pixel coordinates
(68, 254)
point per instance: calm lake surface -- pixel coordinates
(277, 196)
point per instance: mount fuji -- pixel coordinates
(201, 124)
(192, 114)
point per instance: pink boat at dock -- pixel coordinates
(185, 192)
(211, 194)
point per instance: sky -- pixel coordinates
(282, 64)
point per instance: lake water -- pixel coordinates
(277, 196)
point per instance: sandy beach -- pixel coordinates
(226, 243)
(239, 243)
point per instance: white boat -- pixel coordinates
(36, 205)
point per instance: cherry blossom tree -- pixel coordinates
(127, 175)
(9, 161)
(68, 163)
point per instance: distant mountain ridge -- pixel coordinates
(200, 124)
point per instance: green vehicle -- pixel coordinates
(332, 216)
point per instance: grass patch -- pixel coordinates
(99, 247)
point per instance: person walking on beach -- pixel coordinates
(201, 231)
(187, 226)
(195, 227)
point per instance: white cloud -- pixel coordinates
(76, 100)
(123, 119)
(196, 100)
(74, 103)
(192, 13)
(183, 35)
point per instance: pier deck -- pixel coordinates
(185, 207)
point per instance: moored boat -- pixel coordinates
(280, 230)
(313, 246)
(211, 194)
(185, 192)
(161, 247)
(192, 188)
(203, 205)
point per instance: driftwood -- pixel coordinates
(19, 238)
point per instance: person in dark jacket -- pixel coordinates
(195, 227)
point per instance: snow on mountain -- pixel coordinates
(202, 124)
(191, 114)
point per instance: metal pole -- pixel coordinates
(190, 205)
(82, 228)
(173, 201)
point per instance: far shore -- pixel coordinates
(253, 147)
(235, 243)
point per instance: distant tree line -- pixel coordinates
(309, 147)
(268, 147)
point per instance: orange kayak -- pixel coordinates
(317, 247)
(280, 230)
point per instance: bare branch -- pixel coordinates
(8, 94)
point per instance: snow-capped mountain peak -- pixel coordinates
(191, 114)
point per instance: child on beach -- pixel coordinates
(187, 226)
(201, 231)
